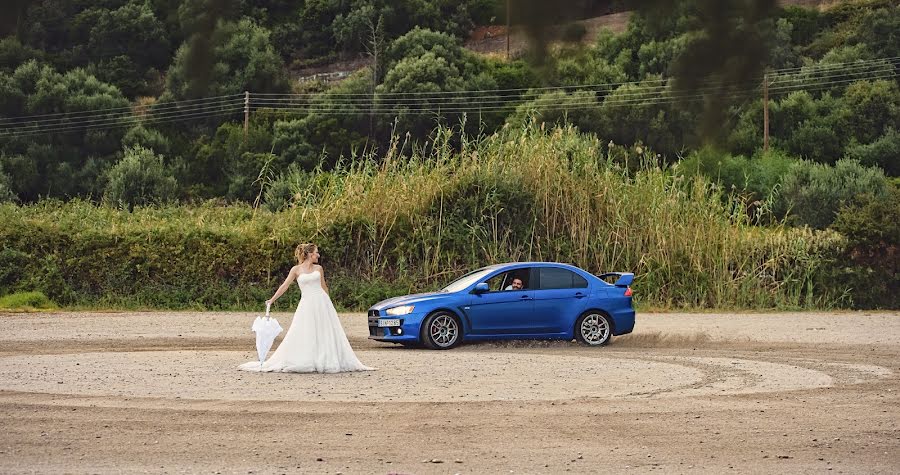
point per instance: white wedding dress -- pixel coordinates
(315, 342)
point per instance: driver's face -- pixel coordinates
(517, 284)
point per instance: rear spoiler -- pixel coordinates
(625, 278)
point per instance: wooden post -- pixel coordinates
(507, 30)
(246, 113)
(766, 112)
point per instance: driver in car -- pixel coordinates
(516, 284)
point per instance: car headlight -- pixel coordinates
(404, 310)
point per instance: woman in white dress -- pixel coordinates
(315, 342)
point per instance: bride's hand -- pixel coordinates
(270, 302)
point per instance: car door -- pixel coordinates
(561, 296)
(502, 312)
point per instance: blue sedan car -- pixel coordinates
(525, 300)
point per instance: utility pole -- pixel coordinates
(766, 112)
(507, 30)
(246, 113)
(374, 48)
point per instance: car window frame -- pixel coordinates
(530, 270)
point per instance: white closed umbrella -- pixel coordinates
(266, 328)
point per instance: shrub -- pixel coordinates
(872, 258)
(756, 177)
(883, 152)
(6, 192)
(720, 167)
(12, 268)
(140, 178)
(147, 138)
(26, 301)
(812, 193)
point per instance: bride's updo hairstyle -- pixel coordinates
(303, 251)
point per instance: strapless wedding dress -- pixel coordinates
(315, 342)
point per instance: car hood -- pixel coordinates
(407, 300)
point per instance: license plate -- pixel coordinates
(389, 322)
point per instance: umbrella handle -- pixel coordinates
(268, 306)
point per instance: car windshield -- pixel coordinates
(465, 281)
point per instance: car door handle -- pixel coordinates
(525, 297)
(579, 295)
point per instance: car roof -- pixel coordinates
(537, 264)
(494, 267)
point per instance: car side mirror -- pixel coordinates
(481, 288)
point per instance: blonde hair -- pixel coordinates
(303, 251)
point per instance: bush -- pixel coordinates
(147, 138)
(883, 152)
(872, 258)
(139, 179)
(720, 167)
(26, 301)
(6, 192)
(756, 178)
(12, 268)
(812, 193)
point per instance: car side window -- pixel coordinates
(517, 279)
(578, 282)
(497, 282)
(556, 278)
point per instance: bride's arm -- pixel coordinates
(292, 275)
(322, 278)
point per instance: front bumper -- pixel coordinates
(408, 331)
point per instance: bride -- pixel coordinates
(315, 342)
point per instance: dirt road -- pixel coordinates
(160, 393)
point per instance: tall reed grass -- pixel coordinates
(414, 217)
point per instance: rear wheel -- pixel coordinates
(441, 331)
(593, 328)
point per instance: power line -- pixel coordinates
(486, 99)
(477, 101)
(652, 92)
(110, 119)
(200, 115)
(160, 105)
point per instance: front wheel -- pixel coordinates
(441, 331)
(593, 328)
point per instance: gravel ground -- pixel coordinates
(160, 392)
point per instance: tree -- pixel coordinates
(67, 152)
(880, 29)
(148, 138)
(422, 66)
(579, 108)
(322, 138)
(13, 53)
(226, 164)
(243, 59)
(874, 106)
(139, 179)
(644, 113)
(132, 45)
(884, 153)
(419, 41)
